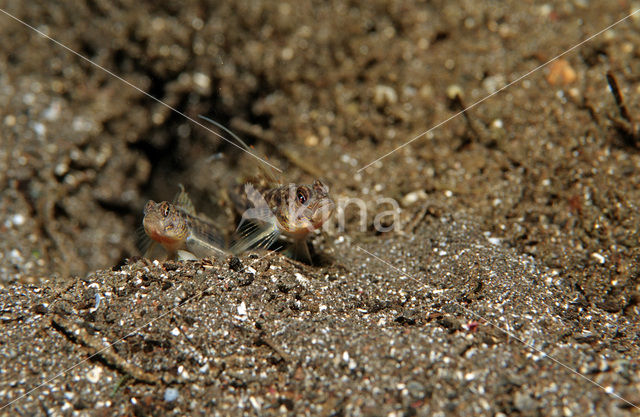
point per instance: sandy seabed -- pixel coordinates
(509, 287)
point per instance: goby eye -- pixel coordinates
(301, 195)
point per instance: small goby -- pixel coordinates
(290, 210)
(177, 228)
(271, 208)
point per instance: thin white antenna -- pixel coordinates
(220, 126)
(270, 176)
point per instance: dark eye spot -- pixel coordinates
(302, 195)
(165, 210)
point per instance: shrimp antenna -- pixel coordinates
(241, 142)
(220, 126)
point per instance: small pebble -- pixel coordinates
(301, 279)
(171, 394)
(15, 256)
(598, 257)
(311, 140)
(202, 80)
(493, 83)
(561, 73)
(39, 128)
(94, 375)
(242, 311)
(53, 111)
(384, 95)
(453, 91)
(413, 197)
(17, 219)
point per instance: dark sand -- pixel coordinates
(518, 229)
